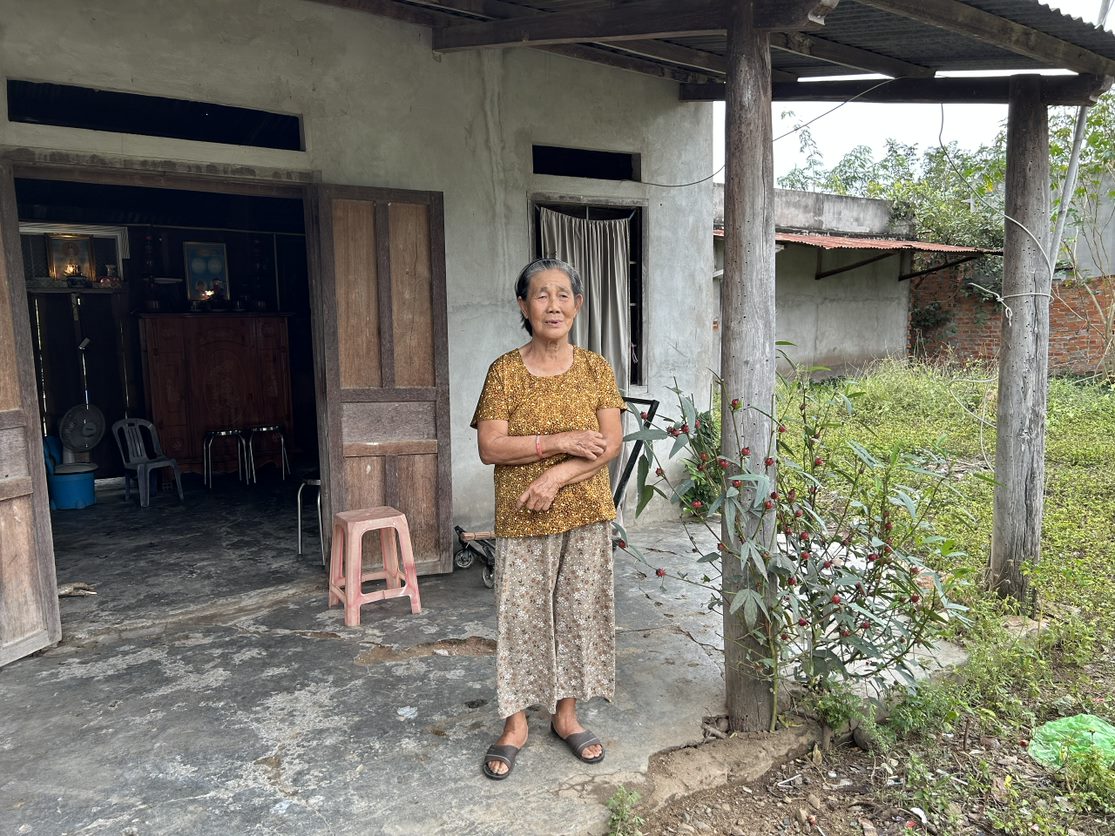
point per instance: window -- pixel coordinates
(624, 348)
(580, 162)
(70, 106)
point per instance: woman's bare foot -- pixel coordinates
(565, 723)
(514, 734)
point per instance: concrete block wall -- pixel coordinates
(972, 327)
(380, 108)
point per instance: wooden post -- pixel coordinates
(747, 360)
(1024, 348)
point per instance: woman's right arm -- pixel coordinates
(497, 447)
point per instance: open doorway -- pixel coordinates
(189, 309)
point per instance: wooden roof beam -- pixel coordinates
(962, 19)
(1056, 90)
(643, 20)
(847, 56)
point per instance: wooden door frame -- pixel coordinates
(329, 375)
(224, 178)
(217, 178)
(27, 416)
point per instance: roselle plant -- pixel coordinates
(844, 591)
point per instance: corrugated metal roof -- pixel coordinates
(852, 242)
(863, 27)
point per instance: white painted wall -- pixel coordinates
(844, 321)
(381, 109)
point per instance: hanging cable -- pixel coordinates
(790, 132)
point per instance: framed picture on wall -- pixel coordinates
(71, 257)
(206, 271)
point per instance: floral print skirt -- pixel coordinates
(555, 618)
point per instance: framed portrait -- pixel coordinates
(206, 271)
(71, 257)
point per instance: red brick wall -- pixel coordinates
(970, 327)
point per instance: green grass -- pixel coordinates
(914, 406)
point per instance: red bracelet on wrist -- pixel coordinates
(538, 445)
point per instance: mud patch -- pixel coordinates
(472, 646)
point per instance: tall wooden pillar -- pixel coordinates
(747, 358)
(1024, 347)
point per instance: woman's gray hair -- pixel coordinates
(540, 265)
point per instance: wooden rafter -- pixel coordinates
(847, 56)
(1056, 90)
(647, 19)
(962, 19)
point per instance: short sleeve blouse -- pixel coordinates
(545, 405)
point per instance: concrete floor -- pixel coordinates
(206, 688)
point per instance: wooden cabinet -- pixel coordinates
(210, 371)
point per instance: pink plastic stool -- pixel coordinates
(346, 575)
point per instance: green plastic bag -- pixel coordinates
(1077, 734)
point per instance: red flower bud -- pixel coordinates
(745, 452)
(644, 415)
(782, 428)
(804, 535)
(836, 599)
(736, 483)
(803, 622)
(768, 504)
(621, 543)
(704, 457)
(697, 424)
(685, 428)
(792, 582)
(659, 472)
(697, 504)
(914, 599)
(660, 572)
(871, 558)
(735, 404)
(817, 462)
(804, 556)
(866, 625)
(798, 513)
(827, 564)
(768, 461)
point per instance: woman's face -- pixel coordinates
(550, 306)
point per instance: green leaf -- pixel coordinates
(651, 434)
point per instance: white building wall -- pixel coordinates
(381, 109)
(845, 321)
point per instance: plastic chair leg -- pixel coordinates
(178, 480)
(144, 476)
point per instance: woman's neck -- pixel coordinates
(547, 357)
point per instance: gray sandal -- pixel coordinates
(504, 753)
(578, 742)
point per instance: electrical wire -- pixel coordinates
(790, 132)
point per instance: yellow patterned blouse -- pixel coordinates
(562, 403)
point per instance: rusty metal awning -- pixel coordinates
(886, 246)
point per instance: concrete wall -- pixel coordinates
(826, 212)
(844, 321)
(381, 109)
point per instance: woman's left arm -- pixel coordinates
(542, 491)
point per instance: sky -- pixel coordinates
(872, 124)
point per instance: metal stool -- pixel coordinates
(207, 453)
(313, 483)
(284, 464)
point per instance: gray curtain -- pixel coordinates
(601, 253)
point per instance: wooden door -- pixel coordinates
(28, 594)
(380, 329)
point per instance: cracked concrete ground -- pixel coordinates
(206, 688)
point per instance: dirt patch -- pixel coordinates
(472, 646)
(833, 794)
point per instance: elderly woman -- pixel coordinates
(549, 420)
